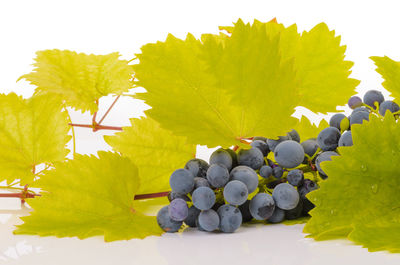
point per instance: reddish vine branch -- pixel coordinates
(28, 195)
(97, 127)
(105, 114)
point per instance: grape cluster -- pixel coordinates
(239, 186)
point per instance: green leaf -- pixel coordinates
(191, 94)
(221, 89)
(360, 199)
(390, 71)
(78, 78)
(155, 151)
(322, 70)
(308, 130)
(32, 131)
(319, 62)
(89, 196)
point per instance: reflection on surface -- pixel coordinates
(251, 244)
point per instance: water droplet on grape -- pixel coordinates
(374, 188)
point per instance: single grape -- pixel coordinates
(233, 156)
(278, 216)
(262, 206)
(324, 156)
(346, 139)
(178, 210)
(181, 181)
(307, 187)
(260, 138)
(358, 109)
(355, 102)
(217, 175)
(263, 146)
(198, 225)
(246, 175)
(198, 167)
(245, 210)
(235, 192)
(193, 214)
(277, 172)
(336, 119)
(209, 220)
(373, 96)
(200, 182)
(310, 146)
(285, 196)
(295, 212)
(166, 223)
(221, 156)
(203, 198)
(388, 106)
(328, 139)
(173, 195)
(359, 117)
(289, 154)
(273, 143)
(230, 218)
(251, 157)
(295, 177)
(266, 171)
(294, 135)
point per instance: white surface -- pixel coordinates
(252, 244)
(367, 28)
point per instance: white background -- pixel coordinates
(367, 28)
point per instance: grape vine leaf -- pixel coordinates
(155, 151)
(321, 69)
(78, 78)
(319, 63)
(360, 199)
(32, 131)
(192, 94)
(308, 130)
(390, 71)
(89, 196)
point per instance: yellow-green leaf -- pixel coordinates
(193, 95)
(32, 131)
(390, 71)
(89, 196)
(80, 79)
(360, 199)
(319, 63)
(322, 70)
(155, 151)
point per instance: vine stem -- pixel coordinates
(97, 127)
(30, 194)
(109, 109)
